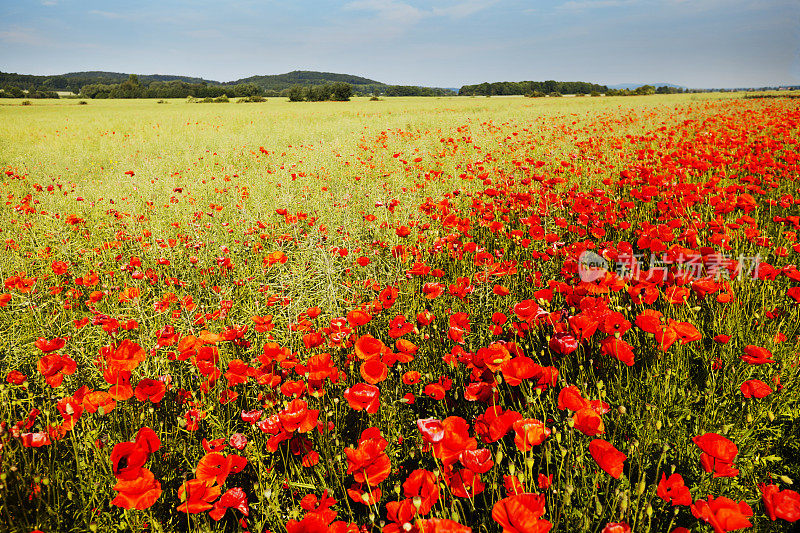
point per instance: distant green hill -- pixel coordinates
(278, 82)
(153, 85)
(73, 81)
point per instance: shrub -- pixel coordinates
(254, 98)
(26, 102)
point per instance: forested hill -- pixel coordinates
(99, 84)
(278, 82)
(73, 81)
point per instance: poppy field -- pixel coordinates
(410, 315)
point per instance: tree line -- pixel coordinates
(11, 91)
(508, 88)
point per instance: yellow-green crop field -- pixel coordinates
(406, 315)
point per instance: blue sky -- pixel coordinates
(446, 43)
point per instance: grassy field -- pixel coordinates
(217, 312)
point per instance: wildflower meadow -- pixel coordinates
(410, 315)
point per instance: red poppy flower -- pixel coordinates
(563, 343)
(99, 401)
(722, 513)
(432, 290)
(495, 423)
(588, 422)
(373, 371)
(368, 347)
(422, 484)
(363, 494)
(234, 498)
(479, 461)
(526, 311)
(521, 513)
(127, 460)
(35, 440)
(530, 433)
(518, 369)
(459, 326)
(756, 355)
(424, 318)
(754, 388)
(126, 356)
(615, 322)
(52, 345)
(465, 483)
(54, 367)
(442, 525)
(571, 398)
(607, 457)
(435, 391)
(411, 377)
(363, 397)
(138, 493)
(215, 467)
(368, 463)
(618, 349)
(674, 490)
(778, 503)
(616, 527)
(15, 377)
(197, 496)
(358, 317)
(716, 446)
(298, 417)
(399, 327)
(120, 381)
(545, 482)
(495, 356)
(718, 454)
(388, 296)
(238, 441)
(150, 389)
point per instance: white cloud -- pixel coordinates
(408, 14)
(24, 36)
(582, 5)
(112, 15)
(389, 10)
(464, 9)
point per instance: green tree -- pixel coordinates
(341, 92)
(645, 89)
(296, 93)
